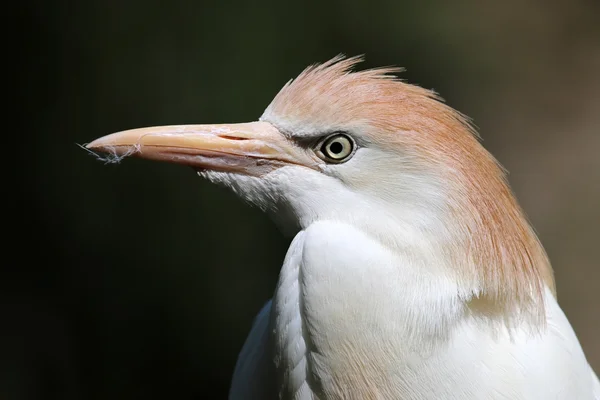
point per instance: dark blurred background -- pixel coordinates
(140, 280)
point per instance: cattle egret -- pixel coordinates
(412, 273)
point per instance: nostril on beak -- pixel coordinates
(232, 137)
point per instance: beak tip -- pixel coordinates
(109, 145)
(105, 143)
(93, 145)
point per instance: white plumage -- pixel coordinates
(412, 274)
(376, 329)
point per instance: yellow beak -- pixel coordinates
(254, 148)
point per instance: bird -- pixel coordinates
(412, 273)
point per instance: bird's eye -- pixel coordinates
(336, 148)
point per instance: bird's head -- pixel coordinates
(369, 150)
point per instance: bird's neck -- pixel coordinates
(487, 247)
(471, 230)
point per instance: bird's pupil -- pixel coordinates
(336, 147)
